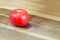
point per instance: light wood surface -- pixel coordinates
(40, 29)
(43, 8)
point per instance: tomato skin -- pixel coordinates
(19, 17)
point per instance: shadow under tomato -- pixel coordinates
(26, 26)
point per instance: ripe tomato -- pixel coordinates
(19, 17)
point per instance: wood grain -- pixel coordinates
(41, 29)
(43, 8)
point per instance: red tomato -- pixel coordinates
(19, 17)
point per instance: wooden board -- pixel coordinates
(43, 8)
(40, 28)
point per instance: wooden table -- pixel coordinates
(43, 8)
(40, 28)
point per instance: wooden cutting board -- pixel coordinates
(39, 28)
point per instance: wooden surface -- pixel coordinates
(40, 28)
(43, 8)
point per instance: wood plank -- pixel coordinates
(40, 28)
(43, 8)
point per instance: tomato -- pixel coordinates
(19, 17)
